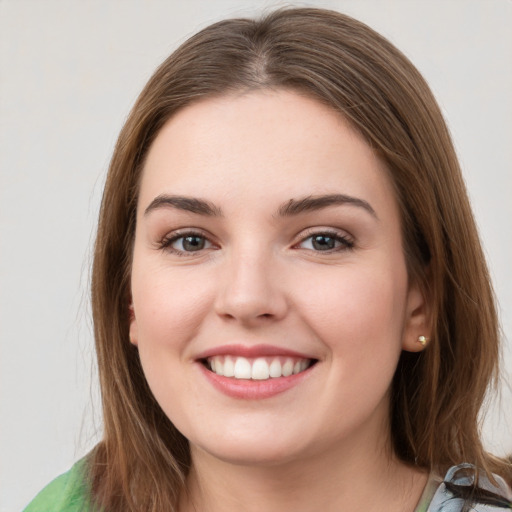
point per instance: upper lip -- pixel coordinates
(251, 351)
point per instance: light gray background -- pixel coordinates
(70, 71)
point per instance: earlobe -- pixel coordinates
(417, 325)
(133, 326)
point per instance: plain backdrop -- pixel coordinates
(70, 71)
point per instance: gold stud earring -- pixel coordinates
(423, 340)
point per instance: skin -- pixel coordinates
(260, 280)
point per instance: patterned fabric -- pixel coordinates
(456, 493)
(69, 493)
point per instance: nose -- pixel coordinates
(251, 291)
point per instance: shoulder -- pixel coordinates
(67, 493)
(457, 488)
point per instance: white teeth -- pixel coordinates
(260, 369)
(256, 369)
(275, 369)
(229, 367)
(242, 368)
(287, 368)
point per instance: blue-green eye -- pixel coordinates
(326, 242)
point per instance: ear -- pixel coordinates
(417, 321)
(134, 340)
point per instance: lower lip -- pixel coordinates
(249, 389)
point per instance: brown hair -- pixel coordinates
(142, 461)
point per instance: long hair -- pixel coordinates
(142, 462)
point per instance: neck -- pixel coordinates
(341, 479)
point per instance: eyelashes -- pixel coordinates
(192, 243)
(186, 243)
(325, 241)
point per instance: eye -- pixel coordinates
(186, 243)
(326, 242)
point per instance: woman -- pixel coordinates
(292, 309)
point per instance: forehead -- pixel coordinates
(261, 144)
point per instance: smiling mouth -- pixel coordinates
(259, 368)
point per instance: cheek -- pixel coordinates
(357, 313)
(168, 312)
(168, 306)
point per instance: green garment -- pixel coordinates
(67, 493)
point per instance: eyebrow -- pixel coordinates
(188, 204)
(290, 208)
(312, 203)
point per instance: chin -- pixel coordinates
(251, 452)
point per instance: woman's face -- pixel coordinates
(270, 294)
